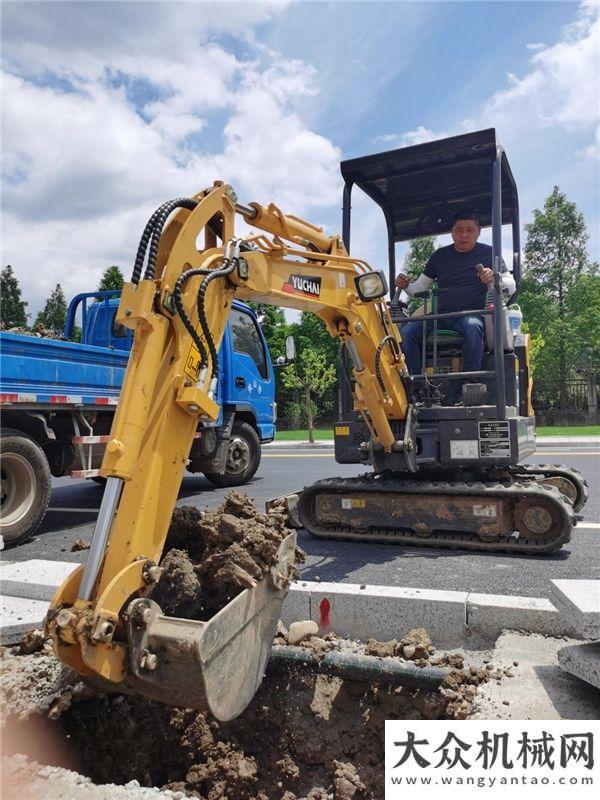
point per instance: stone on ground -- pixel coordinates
(579, 601)
(583, 661)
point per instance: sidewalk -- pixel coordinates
(570, 442)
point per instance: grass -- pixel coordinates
(302, 435)
(327, 433)
(570, 430)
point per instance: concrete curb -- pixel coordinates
(453, 619)
(570, 442)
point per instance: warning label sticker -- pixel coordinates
(342, 430)
(494, 440)
(463, 448)
(352, 502)
(191, 366)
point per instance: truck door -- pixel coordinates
(251, 380)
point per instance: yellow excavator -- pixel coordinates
(442, 475)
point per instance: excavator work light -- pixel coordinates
(371, 286)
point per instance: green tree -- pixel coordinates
(583, 311)
(311, 332)
(555, 257)
(419, 253)
(54, 313)
(112, 278)
(312, 376)
(12, 307)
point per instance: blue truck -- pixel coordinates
(58, 398)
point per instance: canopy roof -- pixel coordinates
(420, 188)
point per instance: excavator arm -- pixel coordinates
(100, 620)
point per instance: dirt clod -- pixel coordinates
(416, 644)
(79, 544)
(32, 641)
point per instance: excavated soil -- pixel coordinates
(303, 736)
(212, 556)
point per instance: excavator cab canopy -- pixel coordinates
(420, 188)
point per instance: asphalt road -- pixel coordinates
(74, 503)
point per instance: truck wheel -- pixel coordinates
(243, 457)
(25, 488)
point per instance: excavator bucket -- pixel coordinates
(214, 666)
(289, 503)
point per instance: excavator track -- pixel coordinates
(578, 492)
(511, 517)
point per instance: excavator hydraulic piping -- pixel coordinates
(246, 211)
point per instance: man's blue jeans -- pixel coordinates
(470, 328)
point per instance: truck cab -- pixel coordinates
(58, 399)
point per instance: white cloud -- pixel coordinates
(107, 116)
(563, 86)
(417, 136)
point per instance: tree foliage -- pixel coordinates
(312, 375)
(54, 313)
(560, 292)
(112, 278)
(419, 253)
(12, 306)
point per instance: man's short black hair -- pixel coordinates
(466, 213)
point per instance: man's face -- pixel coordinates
(464, 235)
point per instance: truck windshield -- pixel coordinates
(246, 339)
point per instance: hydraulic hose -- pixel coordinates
(181, 202)
(382, 344)
(183, 314)
(153, 230)
(141, 251)
(229, 264)
(177, 292)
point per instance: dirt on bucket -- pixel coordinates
(211, 556)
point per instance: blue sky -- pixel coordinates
(111, 108)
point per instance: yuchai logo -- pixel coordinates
(302, 284)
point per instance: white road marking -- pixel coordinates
(594, 525)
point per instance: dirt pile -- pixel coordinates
(211, 557)
(40, 331)
(32, 684)
(303, 736)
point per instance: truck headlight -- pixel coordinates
(371, 285)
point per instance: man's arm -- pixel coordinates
(424, 280)
(422, 283)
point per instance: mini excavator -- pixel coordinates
(441, 475)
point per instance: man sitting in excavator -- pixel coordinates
(463, 271)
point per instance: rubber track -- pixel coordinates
(469, 541)
(557, 470)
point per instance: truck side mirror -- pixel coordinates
(290, 348)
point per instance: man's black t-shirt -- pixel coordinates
(455, 272)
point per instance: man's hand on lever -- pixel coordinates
(402, 281)
(485, 275)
